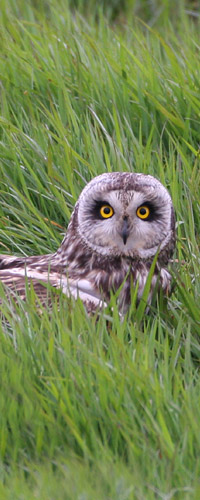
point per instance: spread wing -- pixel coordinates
(19, 274)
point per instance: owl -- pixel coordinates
(119, 223)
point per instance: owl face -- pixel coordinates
(125, 214)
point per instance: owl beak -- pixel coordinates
(125, 230)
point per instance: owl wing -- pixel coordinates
(83, 289)
(18, 274)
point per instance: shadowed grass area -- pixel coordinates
(98, 409)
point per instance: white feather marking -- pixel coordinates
(77, 288)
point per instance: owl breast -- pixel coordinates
(128, 276)
(106, 276)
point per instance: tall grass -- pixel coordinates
(103, 409)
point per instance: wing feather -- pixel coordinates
(18, 274)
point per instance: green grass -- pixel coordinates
(99, 410)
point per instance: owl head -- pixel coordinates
(126, 214)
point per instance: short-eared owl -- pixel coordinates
(119, 223)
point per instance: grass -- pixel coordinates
(103, 410)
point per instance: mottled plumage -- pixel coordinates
(119, 222)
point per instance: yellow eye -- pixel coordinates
(106, 211)
(143, 212)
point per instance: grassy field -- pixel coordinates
(89, 412)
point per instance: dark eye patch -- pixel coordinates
(96, 207)
(154, 212)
